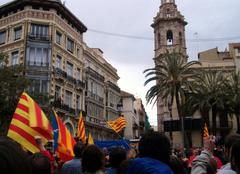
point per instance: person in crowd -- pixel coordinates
(230, 139)
(235, 157)
(212, 166)
(202, 162)
(40, 164)
(92, 160)
(131, 153)
(176, 166)
(13, 160)
(154, 155)
(116, 157)
(42, 148)
(44, 151)
(74, 166)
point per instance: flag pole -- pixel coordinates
(113, 129)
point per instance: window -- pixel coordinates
(69, 69)
(14, 58)
(38, 56)
(58, 37)
(78, 102)
(78, 74)
(68, 99)
(44, 86)
(57, 92)
(38, 86)
(17, 33)
(59, 62)
(2, 37)
(70, 45)
(169, 37)
(39, 30)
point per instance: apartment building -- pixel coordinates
(47, 39)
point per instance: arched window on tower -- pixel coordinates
(159, 39)
(180, 38)
(168, 13)
(169, 37)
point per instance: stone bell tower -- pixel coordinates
(169, 35)
(169, 30)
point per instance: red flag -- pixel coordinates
(81, 134)
(28, 122)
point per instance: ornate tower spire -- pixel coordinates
(169, 30)
(167, 1)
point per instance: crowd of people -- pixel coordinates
(153, 156)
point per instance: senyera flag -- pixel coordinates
(81, 134)
(205, 131)
(63, 140)
(118, 124)
(28, 122)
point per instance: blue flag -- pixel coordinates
(55, 132)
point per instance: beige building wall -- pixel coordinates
(61, 33)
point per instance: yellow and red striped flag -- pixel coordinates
(118, 124)
(205, 131)
(90, 139)
(81, 134)
(28, 122)
(63, 140)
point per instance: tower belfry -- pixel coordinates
(169, 30)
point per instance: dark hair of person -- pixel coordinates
(235, 157)
(230, 139)
(116, 156)
(155, 145)
(92, 159)
(78, 149)
(40, 164)
(176, 166)
(212, 166)
(13, 160)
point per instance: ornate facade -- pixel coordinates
(47, 39)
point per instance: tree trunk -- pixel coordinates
(238, 123)
(214, 117)
(180, 117)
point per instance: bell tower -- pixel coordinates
(169, 30)
(169, 36)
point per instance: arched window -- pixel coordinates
(69, 127)
(169, 37)
(168, 13)
(180, 38)
(159, 39)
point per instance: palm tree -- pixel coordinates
(173, 78)
(233, 92)
(208, 94)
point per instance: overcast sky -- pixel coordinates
(215, 20)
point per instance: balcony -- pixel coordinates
(60, 72)
(94, 97)
(59, 105)
(95, 74)
(80, 84)
(113, 86)
(38, 37)
(71, 79)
